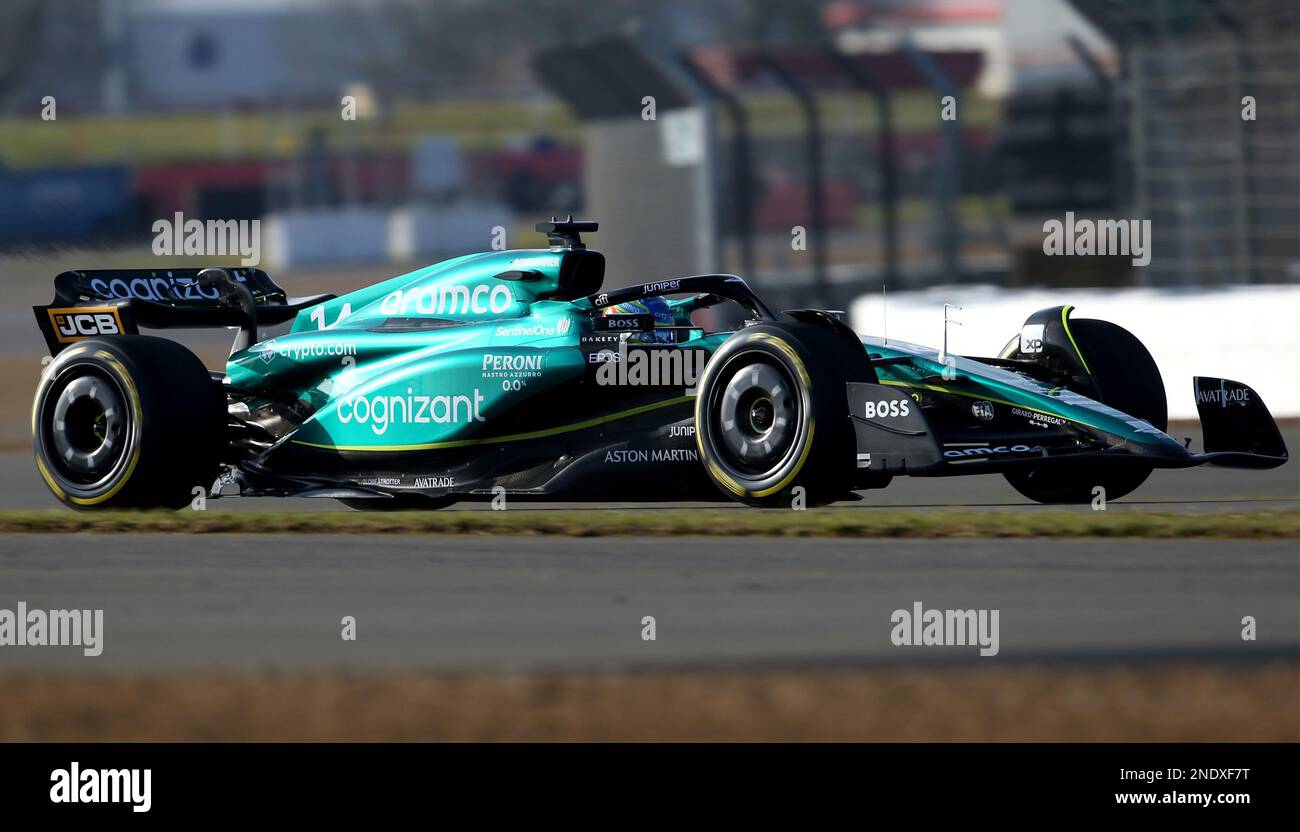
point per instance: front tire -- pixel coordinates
(127, 422)
(1074, 485)
(1128, 380)
(771, 415)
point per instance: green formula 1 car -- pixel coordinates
(511, 372)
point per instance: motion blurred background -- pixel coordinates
(808, 145)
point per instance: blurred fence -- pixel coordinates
(1212, 95)
(1222, 190)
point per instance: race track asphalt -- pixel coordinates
(489, 603)
(1206, 488)
(258, 602)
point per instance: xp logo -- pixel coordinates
(562, 326)
(84, 322)
(982, 410)
(887, 409)
(1031, 338)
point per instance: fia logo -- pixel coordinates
(982, 410)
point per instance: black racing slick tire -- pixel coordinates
(772, 415)
(1128, 380)
(127, 422)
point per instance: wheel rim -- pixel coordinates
(757, 419)
(86, 431)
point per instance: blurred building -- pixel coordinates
(1211, 99)
(189, 54)
(935, 25)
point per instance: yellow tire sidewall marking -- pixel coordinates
(133, 399)
(726, 479)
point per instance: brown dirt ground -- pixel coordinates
(1166, 703)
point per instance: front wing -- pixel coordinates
(894, 437)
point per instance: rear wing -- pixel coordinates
(92, 303)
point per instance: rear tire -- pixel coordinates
(1128, 380)
(127, 422)
(771, 415)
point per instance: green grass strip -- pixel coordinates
(1281, 524)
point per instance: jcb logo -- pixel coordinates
(75, 324)
(887, 409)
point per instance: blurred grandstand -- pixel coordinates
(231, 109)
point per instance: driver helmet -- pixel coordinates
(656, 307)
